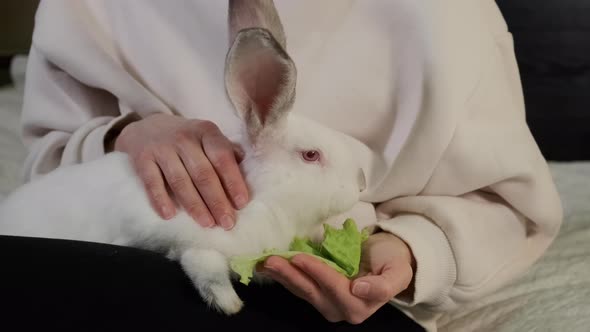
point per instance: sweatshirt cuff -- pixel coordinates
(435, 265)
(99, 139)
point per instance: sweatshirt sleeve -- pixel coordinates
(64, 121)
(489, 208)
(470, 245)
(78, 92)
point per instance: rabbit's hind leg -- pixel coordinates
(209, 272)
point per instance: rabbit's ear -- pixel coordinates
(246, 14)
(260, 77)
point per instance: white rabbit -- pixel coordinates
(299, 173)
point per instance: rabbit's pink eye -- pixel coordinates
(311, 155)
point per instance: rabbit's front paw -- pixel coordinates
(225, 299)
(209, 272)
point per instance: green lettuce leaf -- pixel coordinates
(343, 246)
(340, 249)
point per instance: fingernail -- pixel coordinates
(227, 222)
(361, 289)
(204, 220)
(298, 260)
(240, 201)
(166, 212)
(271, 268)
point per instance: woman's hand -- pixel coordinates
(386, 271)
(194, 160)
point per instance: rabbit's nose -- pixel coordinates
(362, 181)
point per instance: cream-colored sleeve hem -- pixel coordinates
(435, 265)
(91, 144)
(58, 148)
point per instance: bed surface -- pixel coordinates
(553, 296)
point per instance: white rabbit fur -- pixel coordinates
(104, 201)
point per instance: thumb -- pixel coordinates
(381, 287)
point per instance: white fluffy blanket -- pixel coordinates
(553, 296)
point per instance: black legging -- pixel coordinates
(58, 285)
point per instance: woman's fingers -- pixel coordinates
(331, 281)
(301, 285)
(182, 186)
(222, 155)
(207, 183)
(384, 286)
(190, 162)
(293, 279)
(336, 288)
(154, 184)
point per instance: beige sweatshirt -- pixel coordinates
(430, 87)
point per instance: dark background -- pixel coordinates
(552, 42)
